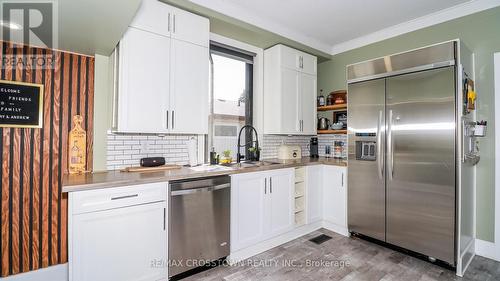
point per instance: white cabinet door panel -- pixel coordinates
(189, 88)
(281, 192)
(335, 195)
(153, 16)
(247, 210)
(120, 244)
(308, 103)
(290, 58)
(309, 64)
(314, 191)
(190, 28)
(290, 103)
(144, 81)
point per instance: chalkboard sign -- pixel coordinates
(21, 104)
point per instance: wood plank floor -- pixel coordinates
(350, 259)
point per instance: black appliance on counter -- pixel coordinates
(313, 148)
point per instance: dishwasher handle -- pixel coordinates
(200, 189)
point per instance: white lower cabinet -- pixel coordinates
(281, 198)
(261, 206)
(314, 190)
(335, 195)
(123, 238)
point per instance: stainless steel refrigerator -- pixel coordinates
(402, 130)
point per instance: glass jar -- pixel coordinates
(338, 148)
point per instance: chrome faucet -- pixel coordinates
(239, 156)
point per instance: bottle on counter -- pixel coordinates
(213, 157)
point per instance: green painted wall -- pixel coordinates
(481, 33)
(102, 110)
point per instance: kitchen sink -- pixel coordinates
(252, 164)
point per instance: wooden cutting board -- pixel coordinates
(151, 169)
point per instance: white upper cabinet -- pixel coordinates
(153, 16)
(307, 101)
(290, 83)
(189, 88)
(308, 64)
(143, 88)
(190, 28)
(162, 72)
(297, 60)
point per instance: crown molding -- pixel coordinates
(451, 13)
(229, 9)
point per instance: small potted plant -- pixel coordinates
(226, 159)
(253, 154)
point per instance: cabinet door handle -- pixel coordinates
(271, 184)
(174, 23)
(173, 120)
(164, 218)
(342, 179)
(124, 197)
(265, 185)
(168, 22)
(167, 119)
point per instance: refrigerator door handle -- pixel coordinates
(390, 147)
(380, 154)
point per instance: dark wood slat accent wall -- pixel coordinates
(34, 211)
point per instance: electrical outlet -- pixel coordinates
(144, 147)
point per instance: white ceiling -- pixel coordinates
(333, 26)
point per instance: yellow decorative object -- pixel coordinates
(77, 149)
(471, 95)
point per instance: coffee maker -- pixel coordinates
(313, 148)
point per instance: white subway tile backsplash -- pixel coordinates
(272, 142)
(125, 150)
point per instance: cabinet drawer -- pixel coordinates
(111, 198)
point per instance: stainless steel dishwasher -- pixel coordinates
(198, 222)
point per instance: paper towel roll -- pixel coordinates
(192, 152)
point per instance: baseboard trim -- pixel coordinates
(53, 273)
(488, 249)
(336, 228)
(282, 239)
(271, 243)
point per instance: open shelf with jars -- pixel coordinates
(333, 108)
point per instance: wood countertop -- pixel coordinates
(99, 180)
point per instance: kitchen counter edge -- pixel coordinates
(109, 179)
